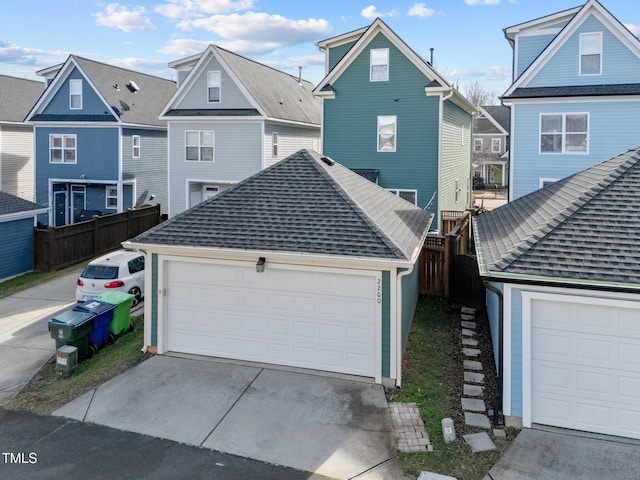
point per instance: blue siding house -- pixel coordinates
(575, 96)
(99, 144)
(389, 115)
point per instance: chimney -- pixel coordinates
(431, 61)
(299, 74)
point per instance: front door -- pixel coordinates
(78, 196)
(60, 208)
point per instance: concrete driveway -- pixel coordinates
(335, 427)
(566, 455)
(25, 343)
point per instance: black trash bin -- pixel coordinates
(72, 327)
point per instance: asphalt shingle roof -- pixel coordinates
(583, 227)
(499, 113)
(577, 91)
(303, 205)
(10, 204)
(17, 97)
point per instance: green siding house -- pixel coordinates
(390, 116)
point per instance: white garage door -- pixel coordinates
(312, 319)
(586, 366)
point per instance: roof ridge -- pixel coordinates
(77, 57)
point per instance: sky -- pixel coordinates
(145, 35)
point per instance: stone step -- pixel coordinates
(468, 310)
(467, 317)
(499, 433)
(471, 352)
(468, 333)
(471, 342)
(474, 377)
(479, 442)
(468, 324)
(473, 390)
(477, 420)
(472, 365)
(473, 404)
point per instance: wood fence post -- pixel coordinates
(447, 265)
(52, 251)
(95, 236)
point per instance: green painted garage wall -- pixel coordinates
(386, 324)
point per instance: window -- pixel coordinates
(410, 196)
(136, 265)
(111, 195)
(379, 69)
(62, 148)
(274, 144)
(75, 94)
(387, 133)
(495, 145)
(199, 146)
(591, 53)
(564, 133)
(477, 145)
(209, 191)
(135, 142)
(213, 86)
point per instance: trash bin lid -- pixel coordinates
(71, 318)
(115, 297)
(94, 306)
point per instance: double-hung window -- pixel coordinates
(75, 94)
(199, 146)
(135, 143)
(591, 53)
(564, 133)
(274, 144)
(111, 196)
(387, 133)
(62, 149)
(477, 145)
(495, 145)
(214, 84)
(408, 195)
(379, 67)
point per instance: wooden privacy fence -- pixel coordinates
(60, 247)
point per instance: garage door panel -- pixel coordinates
(629, 389)
(629, 324)
(628, 355)
(594, 384)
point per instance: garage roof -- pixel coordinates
(305, 203)
(584, 227)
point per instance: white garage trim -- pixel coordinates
(507, 353)
(163, 281)
(528, 298)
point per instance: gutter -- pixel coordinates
(399, 351)
(498, 416)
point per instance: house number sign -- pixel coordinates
(379, 290)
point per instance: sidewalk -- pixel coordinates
(25, 343)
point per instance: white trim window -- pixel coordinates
(75, 94)
(496, 145)
(274, 144)
(387, 126)
(135, 146)
(477, 145)
(209, 191)
(62, 148)
(111, 196)
(409, 195)
(199, 145)
(564, 133)
(379, 65)
(214, 86)
(591, 53)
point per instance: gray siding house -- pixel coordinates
(229, 118)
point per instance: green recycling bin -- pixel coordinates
(71, 327)
(122, 313)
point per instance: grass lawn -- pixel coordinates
(50, 390)
(22, 282)
(428, 373)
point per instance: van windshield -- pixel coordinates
(100, 272)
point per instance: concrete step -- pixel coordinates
(468, 310)
(468, 324)
(467, 332)
(473, 390)
(472, 365)
(474, 377)
(477, 420)
(473, 404)
(479, 442)
(471, 342)
(467, 317)
(471, 352)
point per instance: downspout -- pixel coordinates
(498, 417)
(399, 351)
(440, 125)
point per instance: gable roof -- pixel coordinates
(307, 204)
(137, 103)
(13, 207)
(436, 82)
(582, 229)
(17, 96)
(274, 94)
(494, 119)
(590, 7)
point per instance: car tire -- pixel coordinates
(137, 295)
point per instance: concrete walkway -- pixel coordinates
(25, 343)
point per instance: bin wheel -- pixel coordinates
(131, 327)
(111, 339)
(93, 349)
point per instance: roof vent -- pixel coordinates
(328, 161)
(133, 87)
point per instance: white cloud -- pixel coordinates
(16, 55)
(127, 20)
(420, 10)
(183, 47)
(473, 3)
(189, 8)
(635, 29)
(498, 72)
(371, 13)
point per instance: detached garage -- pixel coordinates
(306, 264)
(563, 264)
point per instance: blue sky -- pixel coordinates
(145, 35)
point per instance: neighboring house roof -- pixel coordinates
(12, 206)
(493, 119)
(436, 83)
(577, 91)
(17, 97)
(305, 203)
(581, 229)
(275, 94)
(370, 174)
(132, 98)
(577, 17)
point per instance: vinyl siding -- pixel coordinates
(350, 123)
(17, 161)
(619, 64)
(336, 53)
(91, 103)
(456, 157)
(290, 140)
(528, 50)
(238, 155)
(410, 294)
(16, 248)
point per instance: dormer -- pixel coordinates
(184, 66)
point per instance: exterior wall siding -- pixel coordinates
(494, 320)
(456, 158)
(91, 103)
(350, 123)
(606, 139)
(150, 170)
(410, 295)
(336, 53)
(386, 324)
(17, 161)
(16, 248)
(238, 155)
(528, 50)
(290, 140)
